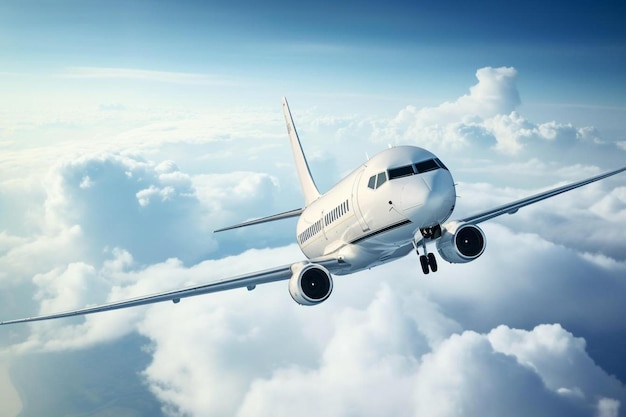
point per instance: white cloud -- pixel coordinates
(376, 352)
(118, 225)
(558, 358)
(608, 407)
(612, 207)
(486, 118)
(129, 200)
(41, 253)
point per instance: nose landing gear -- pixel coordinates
(428, 260)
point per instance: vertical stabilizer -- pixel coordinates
(306, 181)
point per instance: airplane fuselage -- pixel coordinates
(376, 213)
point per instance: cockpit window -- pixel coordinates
(441, 164)
(372, 182)
(380, 179)
(377, 180)
(426, 166)
(404, 171)
(417, 168)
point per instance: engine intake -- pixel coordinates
(310, 284)
(461, 242)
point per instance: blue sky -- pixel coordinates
(130, 131)
(330, 46)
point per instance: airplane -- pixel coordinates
(397, 202)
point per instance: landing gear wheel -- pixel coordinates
(432, 261)
(424, 263)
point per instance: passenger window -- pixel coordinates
(380, 180)
(404, 171)
(426, 166)
(372, 182)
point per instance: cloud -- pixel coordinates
(477, 374)
(486, 118)
(471, 339)
(377, 352)
(496, 93)
(404, 336)
(43, 252)
(565, 286)
(559, 359)
(124, 201)
(612, 207)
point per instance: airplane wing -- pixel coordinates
(279, 216)
(513, 207)
(247, 280)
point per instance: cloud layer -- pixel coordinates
(523, 330)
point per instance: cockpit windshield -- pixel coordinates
(379, 179)
(399, 172)
(417, 168)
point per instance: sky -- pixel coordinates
(130, 131)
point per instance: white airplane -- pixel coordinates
(397, 202)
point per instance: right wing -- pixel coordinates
(513, 207)
(247, 280)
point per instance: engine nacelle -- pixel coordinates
(461, 242)
(310, 284)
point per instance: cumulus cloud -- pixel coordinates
(612, 207)
(471, 340)
(124, 201)
(375, 352)
(404, 337)
(486, 118)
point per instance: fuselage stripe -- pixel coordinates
(383, 230)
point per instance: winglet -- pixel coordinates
(309, 189)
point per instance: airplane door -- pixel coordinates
(324, 227)
(355, 202)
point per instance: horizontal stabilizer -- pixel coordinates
(279, 216)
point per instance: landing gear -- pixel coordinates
(424, 263)
(428, 263)
(432, 261)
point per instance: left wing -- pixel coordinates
(513, 207)
(279, 216)
(248, 280)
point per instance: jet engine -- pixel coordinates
(461, 242)
(310, 284)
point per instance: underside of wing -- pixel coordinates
(513, 207)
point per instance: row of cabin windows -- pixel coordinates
(311, 231)
(377, 180)
(330, 217)
(336, 213)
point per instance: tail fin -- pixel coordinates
(304, 174)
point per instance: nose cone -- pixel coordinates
(414, 193)
(428, 199)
